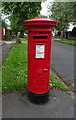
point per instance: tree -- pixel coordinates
(4, 24)
(20, 11)
(74, 11)
(63, 13)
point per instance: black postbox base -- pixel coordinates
(38, 98)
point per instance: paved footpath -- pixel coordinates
(5, 50)
(60, 105)
(5, 47)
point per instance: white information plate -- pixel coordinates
(40, 51)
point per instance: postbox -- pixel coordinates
(39, 57)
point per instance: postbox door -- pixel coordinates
(40, 61)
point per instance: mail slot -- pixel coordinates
(39, 37)
(39, 55)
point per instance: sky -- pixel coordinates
(44, 10)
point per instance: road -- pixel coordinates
(63, 60)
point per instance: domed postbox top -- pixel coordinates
(39, 21)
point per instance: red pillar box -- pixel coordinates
(39, 51)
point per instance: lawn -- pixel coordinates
(71, 42)
(14, 71)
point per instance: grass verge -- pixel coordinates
(14, 71)
(55, 82)
(71, 42)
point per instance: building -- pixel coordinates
(2, 33)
